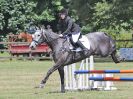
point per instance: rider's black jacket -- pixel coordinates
(67, 26)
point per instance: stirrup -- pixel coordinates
(76, 50)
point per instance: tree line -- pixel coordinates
(112, 16)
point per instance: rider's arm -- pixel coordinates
(68, 30)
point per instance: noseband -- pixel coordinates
(36, 42)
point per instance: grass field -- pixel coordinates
(18, 79)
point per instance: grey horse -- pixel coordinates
(100, 44)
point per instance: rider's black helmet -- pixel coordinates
(63, 11)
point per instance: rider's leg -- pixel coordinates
(85, 50)
(73, 43)
(81, 45)
(75, 38)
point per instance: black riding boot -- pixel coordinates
(73, 44)
(85, 50)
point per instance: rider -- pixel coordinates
(67, 27)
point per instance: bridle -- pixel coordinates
(46, 40)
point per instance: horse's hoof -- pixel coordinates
(62, 91)
(40, 86)
(36, 87)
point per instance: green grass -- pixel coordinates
(5, 54)
(18, 79)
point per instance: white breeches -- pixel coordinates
(75, 37)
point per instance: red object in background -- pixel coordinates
(20, 49)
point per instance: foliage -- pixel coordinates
(102, 17)
(110, 16)
(15, 14)
(46, 12)
(124, 44)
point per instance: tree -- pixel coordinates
(46, 12)
(103, 14)
(14, 15)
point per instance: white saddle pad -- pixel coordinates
(84, 40)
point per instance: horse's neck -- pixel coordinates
(54, 41)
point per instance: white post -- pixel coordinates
(83, 76)
(70, 76)
(91, 83)
(73, 78)
(109, 85)
(80, 77)
(87, 76)
(82, 82)
(66, 77)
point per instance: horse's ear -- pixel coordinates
(41, 28)
(37, 28)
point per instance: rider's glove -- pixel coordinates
(60, 35)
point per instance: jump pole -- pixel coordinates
(111, 78)
(102, 71)
(81, 82)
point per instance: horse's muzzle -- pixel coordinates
(32, 47)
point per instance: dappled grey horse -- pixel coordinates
(100, 44)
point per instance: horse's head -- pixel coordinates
(42, 35)
(38, 38)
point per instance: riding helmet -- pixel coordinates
(64, 11)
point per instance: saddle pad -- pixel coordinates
(84, 40)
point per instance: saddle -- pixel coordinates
(75, 47)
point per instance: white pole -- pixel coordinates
(66, 77)
(82, 81)
(87, 76)
(70, 76)
(73, 79)
(91, 83)
(80, 76)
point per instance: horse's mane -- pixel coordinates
(51, 34)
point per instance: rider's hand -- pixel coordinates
(60, 35)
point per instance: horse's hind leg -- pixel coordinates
(61, 72)
(115, 57)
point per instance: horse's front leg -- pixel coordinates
(50, 71)
(58, 65)
(61, 72)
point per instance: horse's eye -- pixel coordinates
(38, 35)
